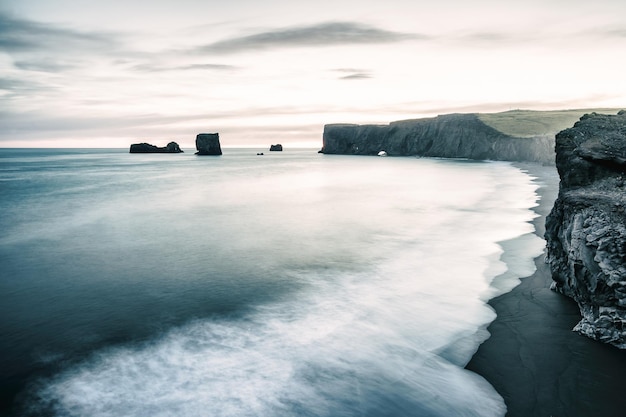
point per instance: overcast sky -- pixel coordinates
(109, 73)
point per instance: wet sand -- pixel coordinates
(533, 358)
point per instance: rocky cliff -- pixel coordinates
(446, 136)
(171, 147)
(586, 230)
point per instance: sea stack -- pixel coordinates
(276, 148)
(208, 144)
(586, 230)
(171, 147)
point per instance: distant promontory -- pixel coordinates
(517, 135)
(171, 147)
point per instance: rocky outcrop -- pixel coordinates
(208, 144)
(446, 136)
(276, 148)
(171, 147)
(586, 230)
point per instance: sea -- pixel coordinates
(286, 284)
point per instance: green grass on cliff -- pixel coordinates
(527, 123)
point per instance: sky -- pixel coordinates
(84, 73)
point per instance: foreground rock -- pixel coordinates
(586, 230)
(446, 136)
(208, 144)
(171, 147)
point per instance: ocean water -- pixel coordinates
(288, 284)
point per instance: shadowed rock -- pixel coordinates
(171, 147)
(586, 230)
(276, 148)
(208, 144)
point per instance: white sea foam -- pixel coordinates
(394, 263)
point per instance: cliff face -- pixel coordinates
(447, 136)
(586, 230)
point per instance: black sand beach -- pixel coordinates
(534, 359)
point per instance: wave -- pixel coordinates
(393, 278)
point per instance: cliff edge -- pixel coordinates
(586, 230)
(445, 136)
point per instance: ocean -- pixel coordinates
(287, 284)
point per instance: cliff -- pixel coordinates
(586, 230)
(446, 136)
(171, 147)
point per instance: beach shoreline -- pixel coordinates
(532, 357)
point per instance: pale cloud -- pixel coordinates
(488, 37)
(44, 65)
(323, 34)
(356, 76)
(610, 32)
(190, 67)
(21, 35)
(353, 74)
(13, 87)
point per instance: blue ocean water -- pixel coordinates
(288, 284)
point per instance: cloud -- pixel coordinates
(21, 35)
(610, 32)
(357, 76)
(43, 65)
(14, 87)
(191, 67)
(353, 74)
(503, 38)
(492, 37)
(324, 34)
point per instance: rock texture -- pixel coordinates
(171, 147)
(208, 144)
(586, 230)
(446, 136)
(276, 148)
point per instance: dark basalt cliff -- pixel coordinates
(586, 230)
(446, 136)
(171, 147)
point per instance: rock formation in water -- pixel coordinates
(586, 230)
(276, 148)
(208, 144)
(171, 147)
(446, 136)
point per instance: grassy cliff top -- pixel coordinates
(526, 123)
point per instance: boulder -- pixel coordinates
(208, 144)
(586, 230)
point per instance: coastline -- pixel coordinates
(533, 358)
